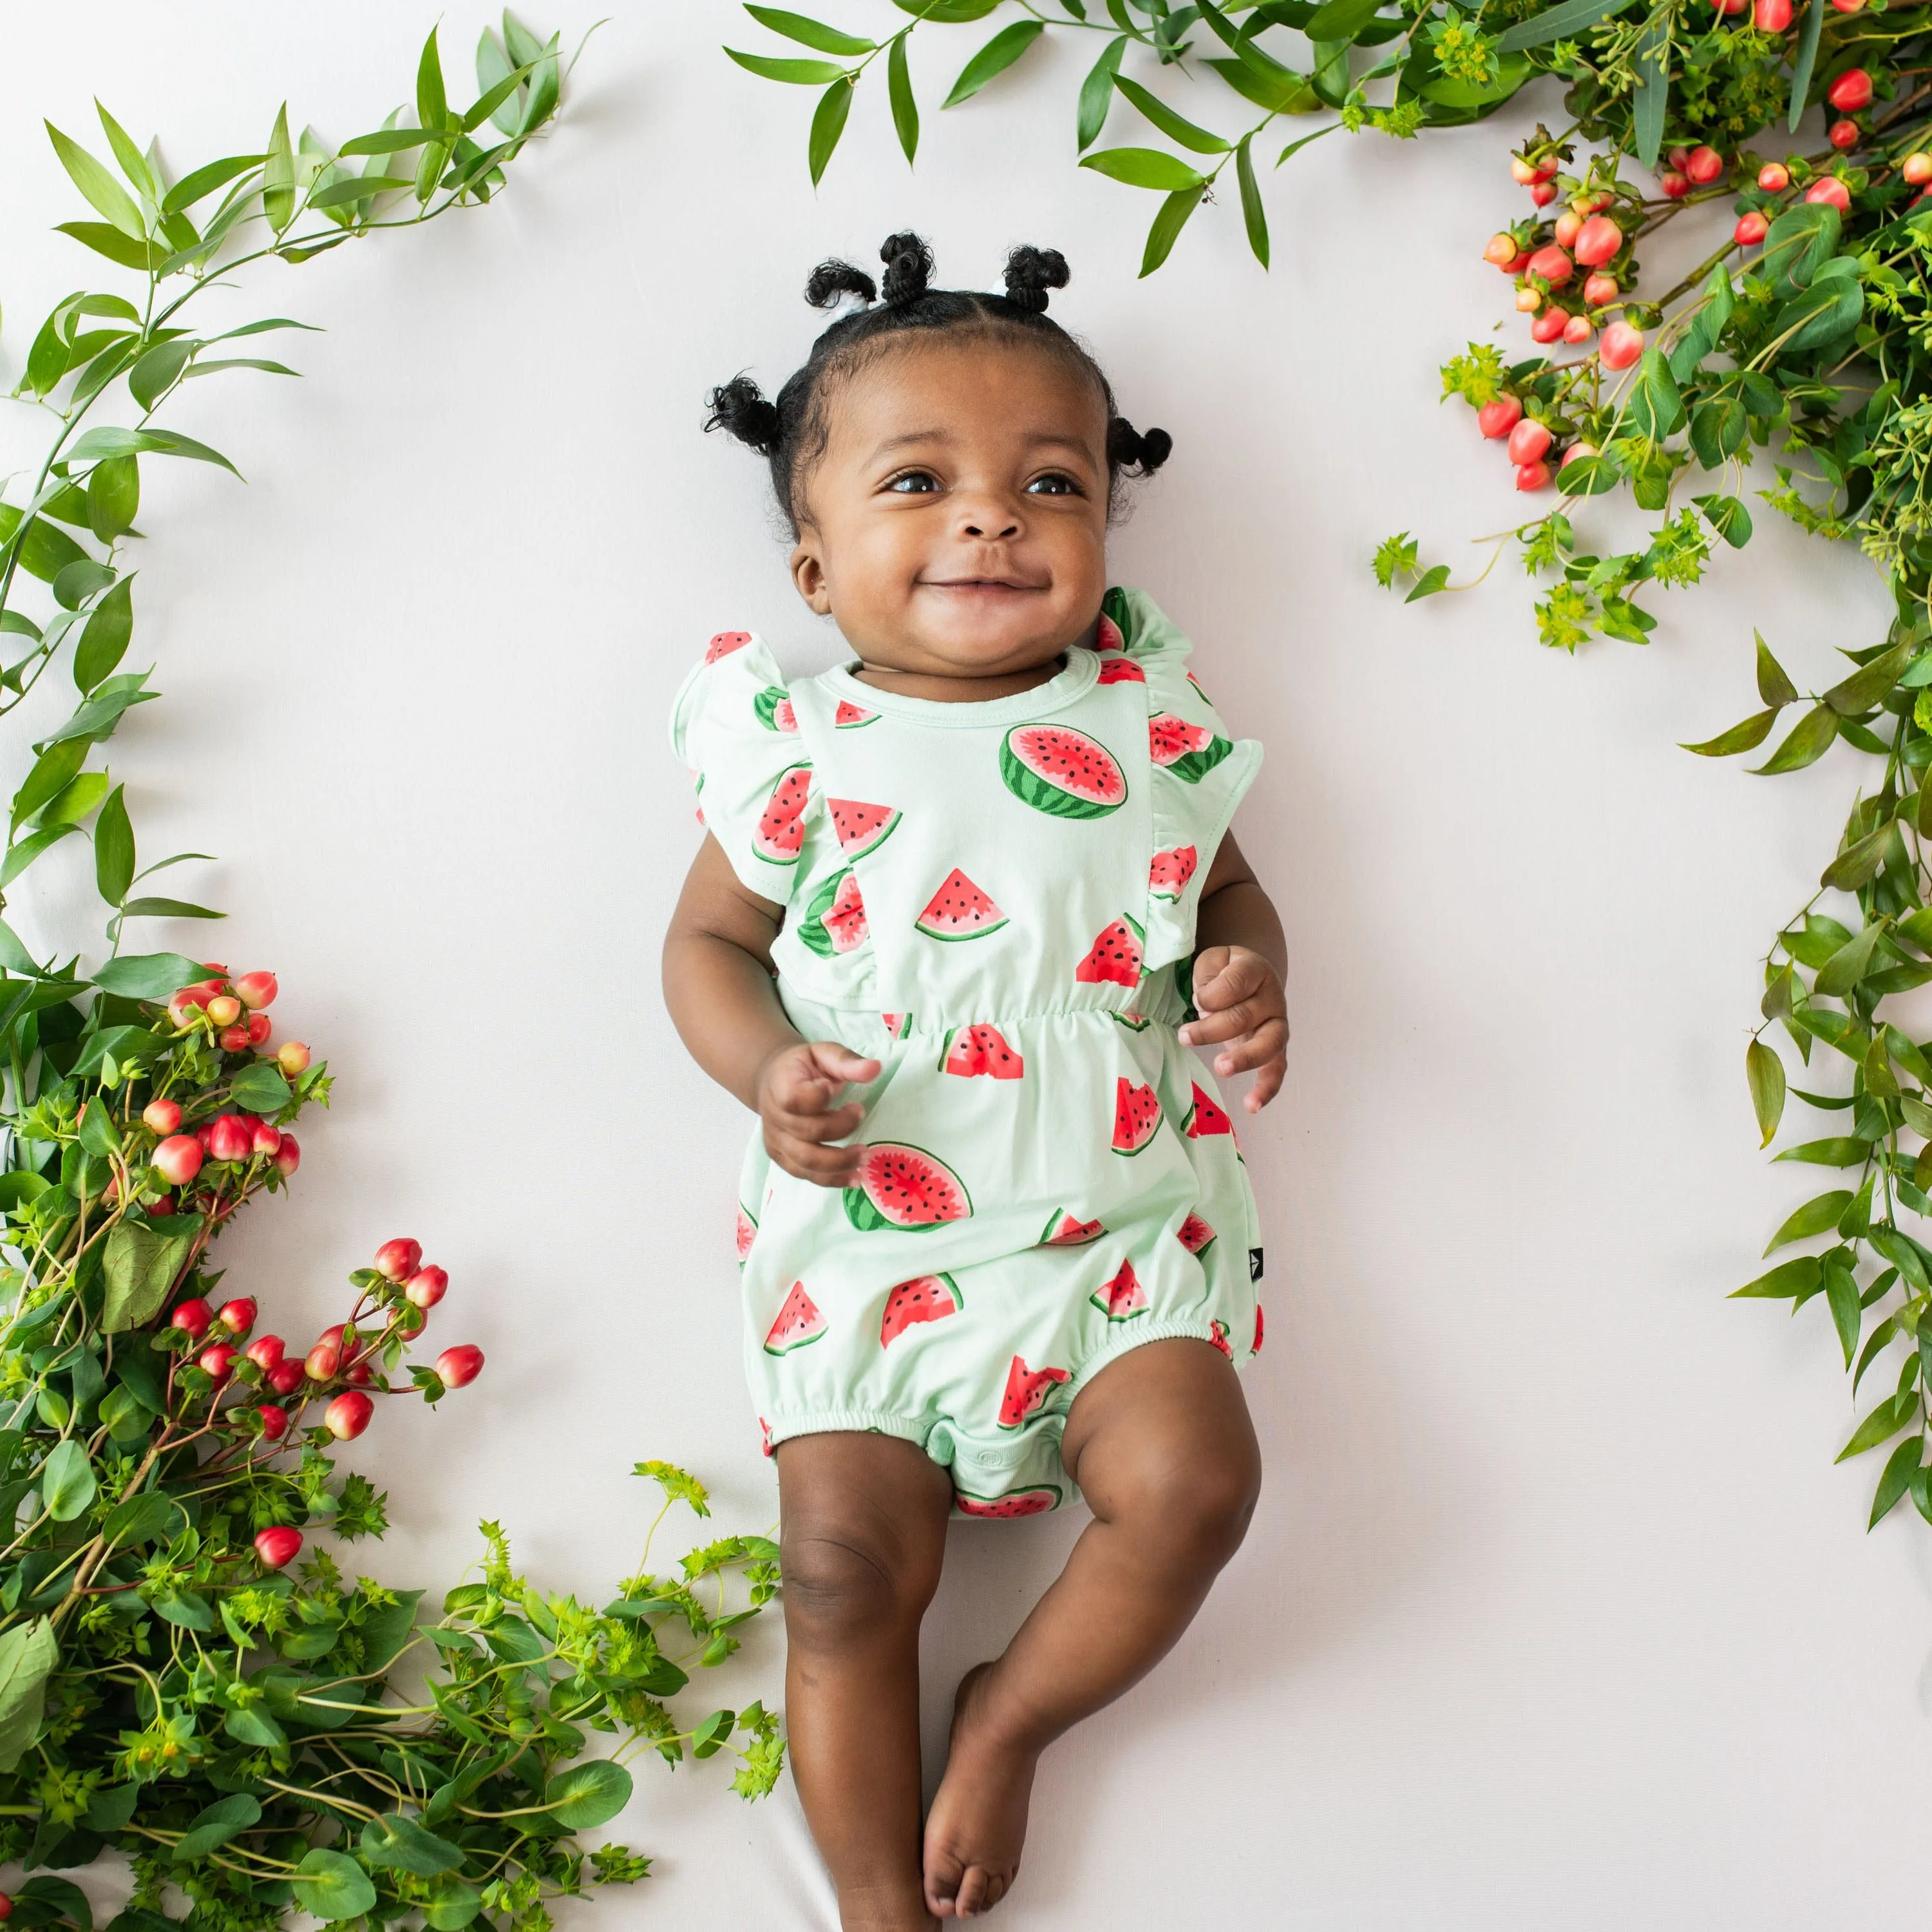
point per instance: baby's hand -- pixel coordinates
(1239, 996)
(796, 1088)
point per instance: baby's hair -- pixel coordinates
(791, 432)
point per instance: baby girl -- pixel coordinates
(966, 906)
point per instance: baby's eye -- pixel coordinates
(913, 483)
(1054, 483)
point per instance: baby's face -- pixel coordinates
(956, 524)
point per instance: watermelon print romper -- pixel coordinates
(997, 900)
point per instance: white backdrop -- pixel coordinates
(1556, 1614)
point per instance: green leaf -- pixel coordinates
(1819, 1216)
(1841, 1294)
(432, 98)
(1869, 682)
(402, 1845)
(150, 1518)
(113, 497)
(1171, 123)
(278, 174)
(114, 849)
(1148, 167)
(1744, 736)
(1828, 309)
(28, 1654)
(905, 108)
(156, 371)
(385, 141)
(45, 549)
(216, 1825)
(1167, 225)
(1097, 93)
(1773, 686)
(1254, 215)
(1728, 518)
(204, 181)
(1589, 475)
(332, 1886)
(147, 976)
(20, 856)
(1565, 21)
(1435, 578)
(157, 908)
(810, 33)
(1651, 59)
(261, 1088)
(1902, 1467)
(1341, 20)
(52, 772)
(1884, 1423)
(1765, 1073)
(828, 123)
(359, 188)
(588, 1794)
(947, 13)
(994, 58)
(1654, 409)
(1798, 243)
(1805, 744)
(104, 193)
(104, 638)
(67, 1481)
(81, 579)
(138, 1268)
(452, 1903)
(1291, 95)
(1849, 965)
(1802, 67)
(1842, 1151)
(798, 73)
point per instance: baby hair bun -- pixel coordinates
(831, 280)
(1142, 454)
(1031, 272)
(908, 269)
(740, 408)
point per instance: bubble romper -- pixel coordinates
(996, 901)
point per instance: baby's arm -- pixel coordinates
(718, 985)
(1238, 971)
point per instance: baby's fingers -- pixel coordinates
(1228, 1023)
(1268, 1084)
(1268, 1042)
(828, 1165)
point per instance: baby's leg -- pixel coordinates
(1160, 1443)
(863, 1534)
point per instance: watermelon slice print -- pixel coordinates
(1064, 1230)
(1115, 956)
(1189, 752)
(764, 1436)
(1021, 1502)
(1062, 772)
(1136, 1116)
(835, 922)
(747, 1232)
(927, 1298)
(1108, 637)
(799, 1324)
(1204, 1116)
(905, 1187)
(1114, 610)
(959, 910)
(1121, 1299)
(773, 706)
(849, 716)
(1195, 1235)
(1219, 1339)
(898, 1025)
(724, 644)
(1121, 670)
(1133, 1022)
(780, 837)
(1196, 682)
(1169, 875)
(859, 827)
(1027, 1391)
(1258, 1326)
(971, 1050)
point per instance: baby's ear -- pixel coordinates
(808, 574)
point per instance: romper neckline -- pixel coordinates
(1082, 671)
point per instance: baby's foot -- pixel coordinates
(977, 1824)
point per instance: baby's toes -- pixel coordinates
(973, 1888)
(945, 1871)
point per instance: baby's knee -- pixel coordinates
(1197, 1500)
(841, 1582)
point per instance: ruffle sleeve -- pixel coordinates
(1198, 774)
(733, 727)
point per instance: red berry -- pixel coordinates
(1576, 451)
(6, 1906)
(229, 1139)
(1549, 325)
(285, 1377)
(428, 1286)
(258, 1027)
(1528, 301)
(411, 1322)
(1848, 6)
(1673, 184)
(1599, 238)
(1578, 329)
(1830, 188)
(266, 1351)
(163, 1116)
(1917, 168)
(1501, 249)
(278, 1546)
(1704, 166)
(1599, 290)
(1771, 16)
(224, 1009)
(461, 1364)
(398, 1260)
(1843, 134)
(348, 1415)
(266, 1139)
(178, 1159)
(274, 1422)
(238, 1316)
(292, 1058)
(256, 989)
(1544, 193)
(1751, 229)
(233, 1040)
(192, 1317)
(1529, 441)
(1851, 91)
(323, 1362)
(1567, 224)
(360, 1375)
(1553, 264)
(218, 1360)
(1529, 173)
(1621, 346)
(288, 1156)
(1532, 476)
(1773, 178)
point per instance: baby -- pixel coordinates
(966, 905)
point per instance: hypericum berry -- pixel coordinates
(1528, 441)
(1528, 301)
(266, 1139)
(229, 1139)
(6, 1906)
(285, 1377)
(1529, 173)
(360, 1374)
(163, 1116)
(234, 1039)
(1731, 6)
(464, 1363)
(1843, 134)
(1544, 193)
(1773, 178)
(1771, 16)
(1553, 264)
(410, 1322)
(224, 1009)
(279, 1546)
(256, 989)
(398, 1260)
(1848, 6)
(274, 1422)
(1567, 224)
(1578, 329)
(348, 1415)
(1576, 451)
(1599, 238)
(178, 1159)
(218, 1360)
(1599, 290)
(1501, 249)
(288, 1156)
(1826, 188)
(1532, 476)
(1917, 168)
(1621, 346)
(323, 1363)
(1673, 184)
(266, 1352)
(293, 1057)
(1677, 158)
(428, 1286)
(1704, 165)
(1851, 91)
(258, 1028)
(1549, 325)
(238, 1316)
(192, 1317)
(1750, 230)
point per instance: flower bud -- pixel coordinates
(1599, 238)
(279, 1546)
(1704, 165)
(1830, 188)
(1553, 264)
(1533, 476)
(1599, 290)
(1771, 16)
(1674, 185)
(1851, 91)
(398, 1260)
(178, 1159)
(1773, 178)
(256, 989)
(348, 1415)
(461, 1364)
(1750, 230)
(266, 1351)
(1494, 419)
(1621, 346)
(1567, 224)
(292, 1058)
(1843, 134)
(1578, 329)
(285, 1377)
(1529, 441)
(428, 1286)
(192, 1317)
(218, 1360)
(229, 1139)
(238, 1316)
(224, 1009)
(274, 1422)
(161, 1117)
(288, 1156)
(1549, 325)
